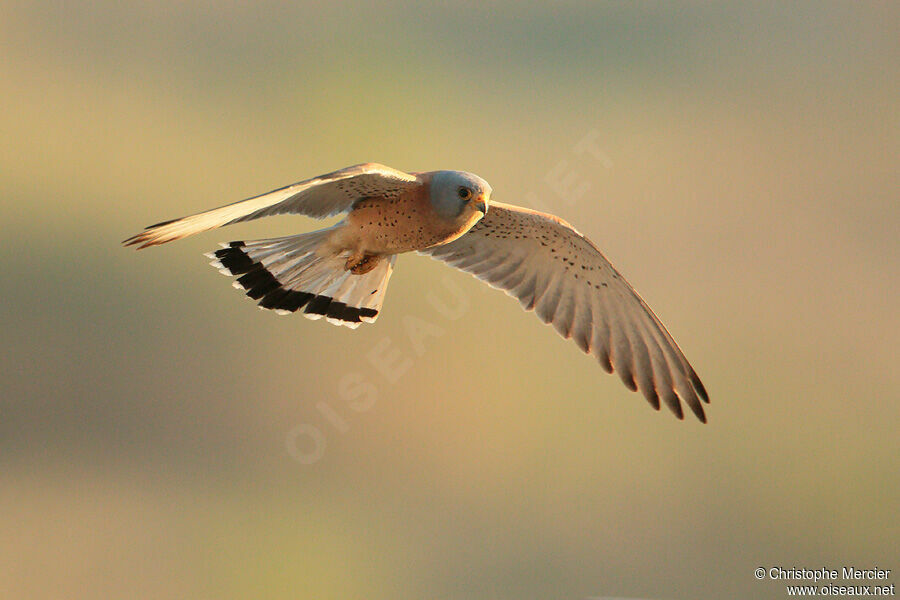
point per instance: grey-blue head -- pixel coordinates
(457, 194)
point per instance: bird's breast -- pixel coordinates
(395, 225)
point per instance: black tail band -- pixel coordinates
(261, 285)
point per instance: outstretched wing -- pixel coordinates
(320, 197)
(557, 272)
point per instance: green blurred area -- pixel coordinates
(748, 188)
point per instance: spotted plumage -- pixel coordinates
(341, 273)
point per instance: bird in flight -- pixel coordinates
(341, 272)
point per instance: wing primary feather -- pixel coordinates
(565, 309)
(568, 282)
(601, 340)
(644, 371)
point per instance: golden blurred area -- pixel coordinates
(155, 427)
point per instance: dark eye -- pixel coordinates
(464, 193)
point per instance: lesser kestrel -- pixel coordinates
(341, 273)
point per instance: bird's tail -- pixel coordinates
(299, 274)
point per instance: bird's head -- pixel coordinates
(460, 196)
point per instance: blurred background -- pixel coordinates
(160, 437)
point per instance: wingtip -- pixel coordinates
(652, 397)
(701, 389)
(674, 404)
(698, 412)
(142, 240)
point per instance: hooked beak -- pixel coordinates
(481, 205)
